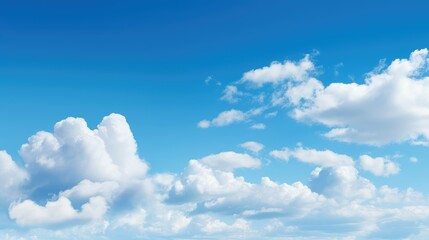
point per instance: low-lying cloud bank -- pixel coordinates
(88, 183)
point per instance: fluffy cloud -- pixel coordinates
(278, 72)
(391, 106)
(296, 93)
(28, 213)
(209, 225)
(324, 158)
(228, 161)
(224, 118)
(335, 178)
(231, 94)
(86, 189)
(12, 177)
(378, 166)
(83, 167)
(252, 146)
(341, 183)
(74, 152)
(208, 199)
(229, 117)
(220, 191)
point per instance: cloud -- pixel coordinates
(74, 152)
(391, 106)
(28, 213)
(341, 183)
(252, 146)
(258, 126)
(220, 191)
(271, 114)
(87, 189)
(278, 72)
(208, 199)
(135, 219)
(413, 159)
(227, 161)
(325, 158)
(210, 226)
(210, 79)
(231, 94)
(296, 93)
(83, 167)
(335, 178)
(379, 166)
(229, 117)
(12, 177)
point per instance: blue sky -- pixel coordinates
(252, 119)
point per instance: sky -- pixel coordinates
(214, 119)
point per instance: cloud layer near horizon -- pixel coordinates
(85, 183)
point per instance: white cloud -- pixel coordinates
(220, 191)
(413, 159)
(135, 219)
(252, 146)
(229, 117)
(227, 161)
(336, 178)
(258, 126)
(341, 183)
(87, 189)
(77, 164)
(28, 213)
(391, 106)
(231, 94)
(74, 152)
(295, 93)
(204, 124)
(121, 146)
(210, 225)
(379, 166)
(324, 158)
(11, 177)
(278, 72)
(208, 199)
(224, 118)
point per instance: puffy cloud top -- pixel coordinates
(74, 152)
(391, 106)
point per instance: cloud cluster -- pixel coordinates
(391, 104)
(92, 162)
(82, 182)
